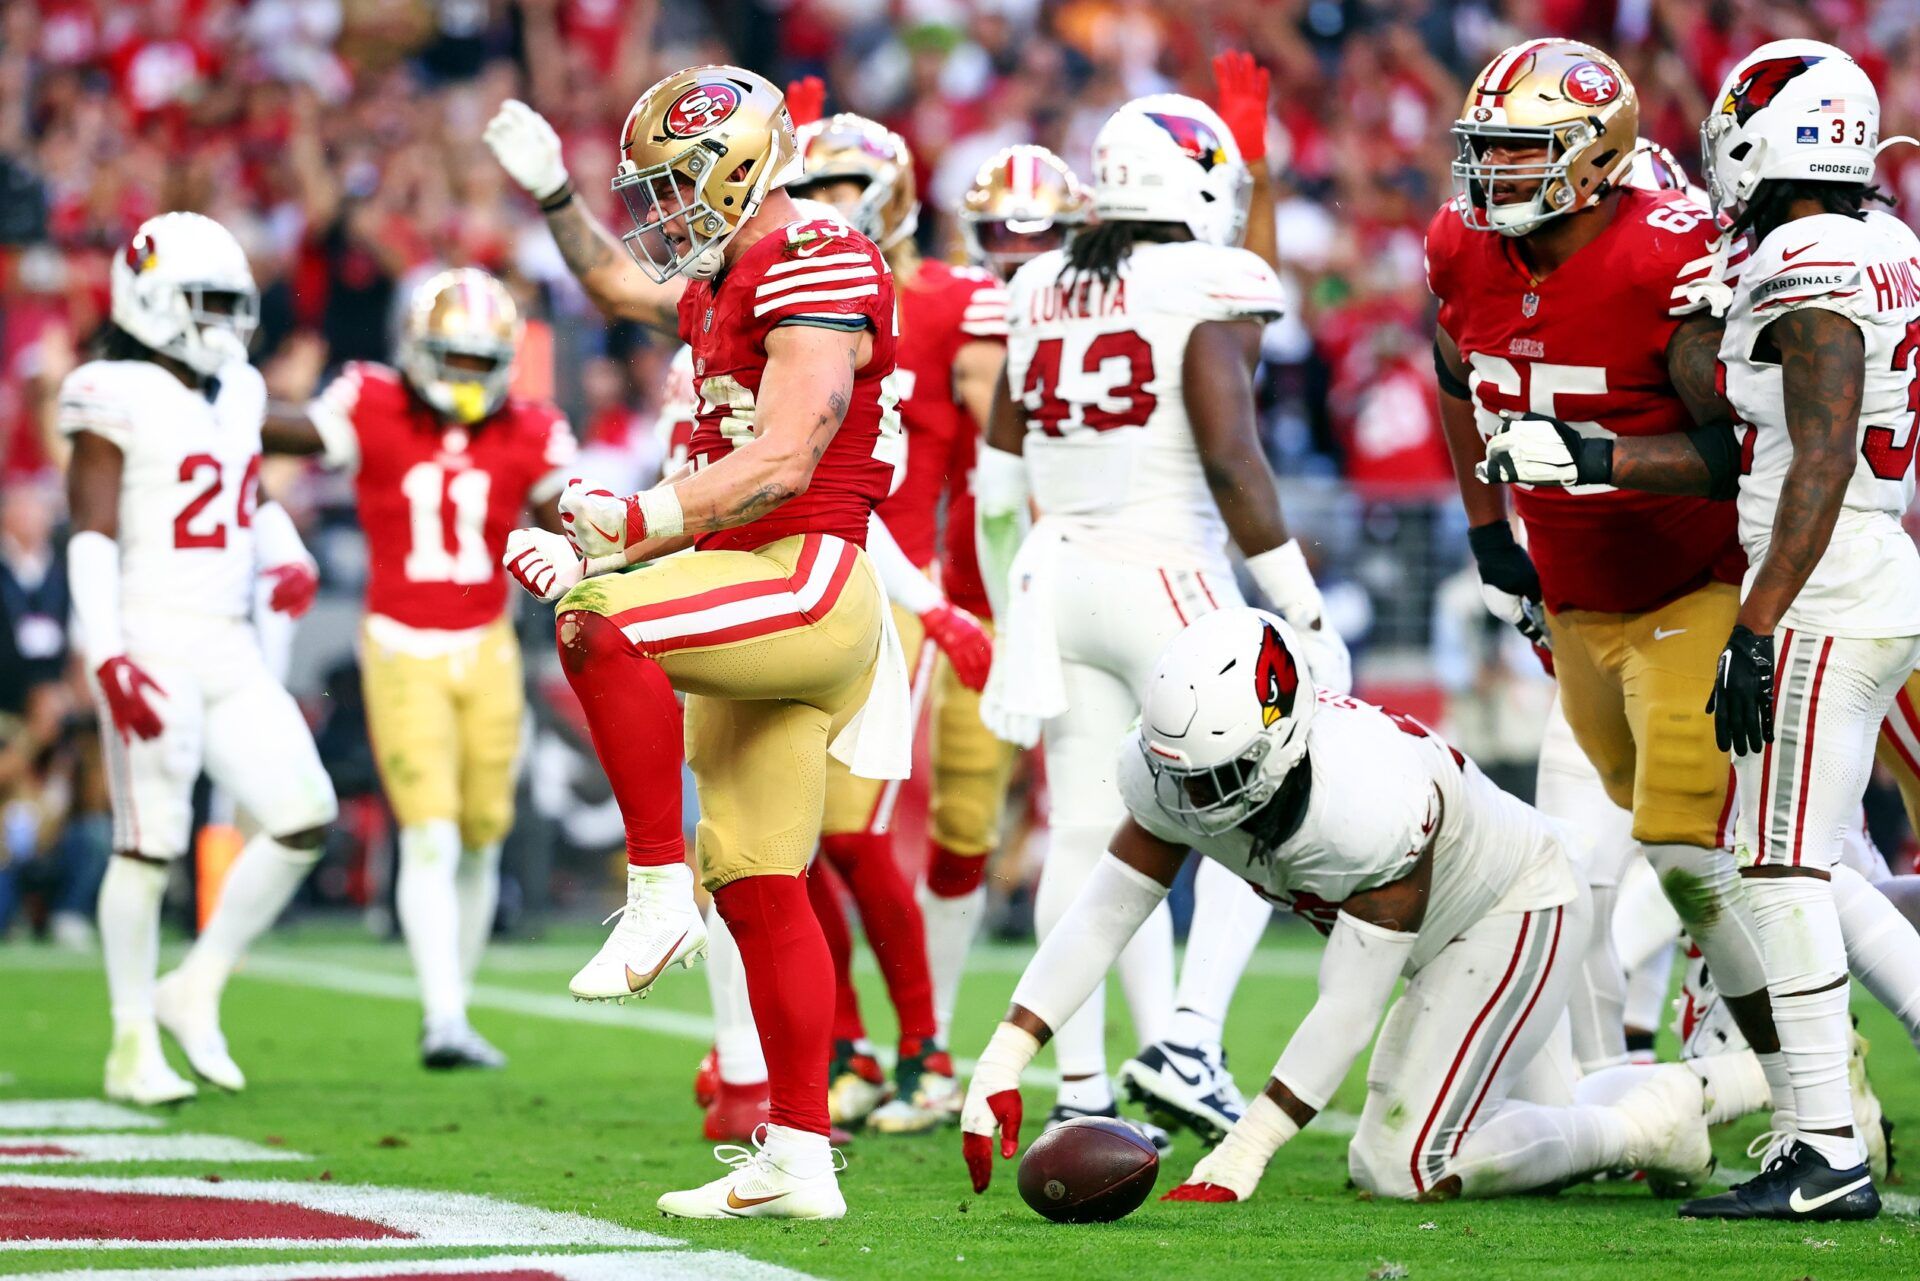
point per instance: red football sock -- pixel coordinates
(637, 734)
(951, 875)
(892, 921)
(825, 897)
(789, 982)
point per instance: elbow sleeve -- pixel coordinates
(1357, 973)
(1450, 382)
(1719, 449)
(1082, 947)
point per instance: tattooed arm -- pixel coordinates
(1822, 369)
(612, 280)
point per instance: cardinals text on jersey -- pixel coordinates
(817, 273)
(437, 499)
(1867, 269)
(1587, 344)
(1097, 371)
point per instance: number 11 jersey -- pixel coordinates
(437, 499)
(1097, 371)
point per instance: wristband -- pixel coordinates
(558, 200)
(1009, 1051)
(660, 509)
(1282, 575)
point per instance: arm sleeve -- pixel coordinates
(829, 275)
(1001, 519)
(331, 413)
(1357, 973)
(276, 539)
(905, 586)
(93, 581)
(88, 403)
(1082, 947)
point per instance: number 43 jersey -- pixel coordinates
(1867, 583)
(437, 499)
(1098, 373)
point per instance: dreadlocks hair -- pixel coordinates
(111, 342)
(1767, 209)
(1099, 250)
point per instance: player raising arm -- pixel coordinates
(1413, 863)
(1819, 353)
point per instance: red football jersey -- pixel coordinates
(942, 309)
(1588, 345)
(437, 499)
(816, 273)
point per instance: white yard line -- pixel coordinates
(656, 1265)
(79, 1148)
(73, 1114)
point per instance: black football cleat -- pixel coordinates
(1061, 1114)
(1800, 1187)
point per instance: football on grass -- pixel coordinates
(1090, 1170)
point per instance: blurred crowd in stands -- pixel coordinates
(340, 140)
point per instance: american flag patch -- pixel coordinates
(1834, 106)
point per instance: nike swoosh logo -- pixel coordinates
(1661, 633)
(1193, 1080)
(1788, 255)
(612, 538)
(818, 245)
(736, 1202)
(1803, 1205)
(635, 982)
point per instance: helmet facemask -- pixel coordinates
(668, 211)
(1215, 799)
(465, 379)
(1473, 176)
(220, 324)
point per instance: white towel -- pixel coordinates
(878, 741)
(1026, 686)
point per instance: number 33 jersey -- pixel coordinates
(1587, 344)
(1098, 373)
(437, 499)
(1867, 583)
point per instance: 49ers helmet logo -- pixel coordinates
(701, 108)
(1276, 680)
(1591, 85)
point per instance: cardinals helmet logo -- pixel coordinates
(1194, 137)
(1763, 83)
(1276, 680)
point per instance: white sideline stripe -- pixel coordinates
(72, 1114)
(428, 1219)
(659, 1265)
(826, 277)
(141, 1147)
(815, 260)
(816, 295)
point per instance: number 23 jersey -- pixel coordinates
(1587, 344)
(437, 499)
(1097, 373)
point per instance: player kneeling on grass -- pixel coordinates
(1415, 865)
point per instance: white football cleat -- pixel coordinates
(1185, 1085)
(137, 1070)
(756, 1188)
(659, 926)
(1667, 1117)
(190, 1014)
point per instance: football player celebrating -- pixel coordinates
(1819, 356)
(774, 623)
(1545, 235)
(1128, 416)
(444, 462)
(952, 326)
(169, 533)
(1412, 863)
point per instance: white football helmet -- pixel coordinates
(1225, 717)
(183, 288)
(1791, 109)
(1170, 158)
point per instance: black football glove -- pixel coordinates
(1508, 582)
(1742, 698)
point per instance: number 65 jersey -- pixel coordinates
(1097, 370)
(1867, 583)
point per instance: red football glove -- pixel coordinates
(125, 688)
(977, 1148)
(1201, 1192)
(964, 642)
(1245, 87)
(806, 100)
(295, 584)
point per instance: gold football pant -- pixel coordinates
(1634, 689)
(775, 650)
(446, 731)
(1899, 748)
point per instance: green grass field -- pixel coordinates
(595, 1116)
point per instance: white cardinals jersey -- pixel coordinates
(1383, 787)
(1868, 270)
(1097, 372)
(188, 486)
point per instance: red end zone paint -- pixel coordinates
(403, 1273)
(35, 1149)
(72, 1214)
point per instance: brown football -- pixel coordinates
(1090, 1170)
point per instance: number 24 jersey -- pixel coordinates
(1097, 372)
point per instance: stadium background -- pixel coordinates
(339, 139)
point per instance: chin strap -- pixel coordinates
(1894, 141)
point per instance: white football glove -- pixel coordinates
(990, 1117)
(527, 148)
(599, 522)
(1508, 608)
(1530, 451)
(543, 563)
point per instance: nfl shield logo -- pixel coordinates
(1529, 305)
(1806, 133)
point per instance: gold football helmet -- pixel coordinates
(457, 347)
(853, 148)
(1563, 97)
(1020, 205)
(700, 151)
